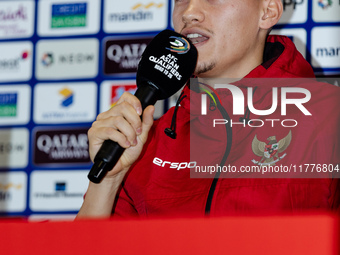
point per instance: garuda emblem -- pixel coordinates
(270, 152)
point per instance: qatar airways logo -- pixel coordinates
(239, 103)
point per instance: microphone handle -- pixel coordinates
(110, 151)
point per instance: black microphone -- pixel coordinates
(166, 65)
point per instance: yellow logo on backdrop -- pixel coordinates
(147, 6)
(10, 185)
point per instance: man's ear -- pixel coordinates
(272, 11)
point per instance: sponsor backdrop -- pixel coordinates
(64, 61)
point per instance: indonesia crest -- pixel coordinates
(271, 151)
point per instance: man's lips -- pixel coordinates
(196, 38)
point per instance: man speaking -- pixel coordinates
(232, 41)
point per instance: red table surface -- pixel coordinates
(300, 234)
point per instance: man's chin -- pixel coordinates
(203, 70)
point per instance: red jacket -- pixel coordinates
(159, 183)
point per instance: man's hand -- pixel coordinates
(122, 124)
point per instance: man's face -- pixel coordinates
(225, 33)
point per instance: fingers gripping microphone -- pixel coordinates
(166, 65)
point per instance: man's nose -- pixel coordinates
(194, 12)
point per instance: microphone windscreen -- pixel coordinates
(167, 63)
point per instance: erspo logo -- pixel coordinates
(179, 45)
